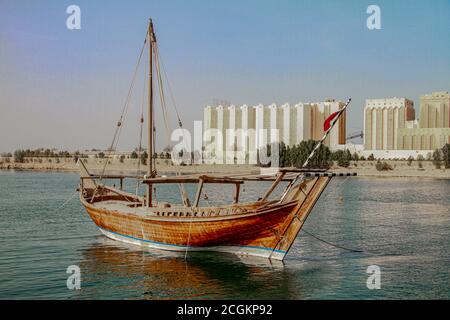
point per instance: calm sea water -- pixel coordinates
(403, 226)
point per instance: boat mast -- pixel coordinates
(151, 41)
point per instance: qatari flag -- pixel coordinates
(327, 123)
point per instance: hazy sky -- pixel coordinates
(65, 88)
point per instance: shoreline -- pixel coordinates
(362, 168)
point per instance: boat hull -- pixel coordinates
(266, 231)
(238, 250)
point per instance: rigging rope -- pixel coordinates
(180, 124)
(161, 92)
(118, 129)
(166, 117)
(117, 132)
(164, 110)
(141, 125)
(160, 65)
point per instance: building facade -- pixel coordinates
(383, 118)
(423, 138)
(389, 124)
(432, 130)
(434, 110)
(236, 133)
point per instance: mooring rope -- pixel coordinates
(370, 252)
(337, 245)
(66, 202)
(331, 244)
(335, 189)
(328, 242)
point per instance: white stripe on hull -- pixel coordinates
(238, 250)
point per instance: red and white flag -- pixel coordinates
(327, 123)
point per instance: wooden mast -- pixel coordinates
(151, 39)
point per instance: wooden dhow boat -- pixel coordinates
(265, 227)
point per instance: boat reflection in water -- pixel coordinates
(112, 270)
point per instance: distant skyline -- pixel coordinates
(65, 88)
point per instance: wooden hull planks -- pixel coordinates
(266, 230)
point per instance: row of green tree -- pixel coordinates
(20, 155)
(441, 157)
(295, 156)
(289, 156)
(162, 155)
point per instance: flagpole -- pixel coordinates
(311, 155)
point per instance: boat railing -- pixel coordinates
(283, 174)
(121, 178)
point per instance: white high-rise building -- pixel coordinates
(289, 124)
(389, 124)
(245, 129)
(382, 120)
(303, 122)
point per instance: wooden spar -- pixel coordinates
(236, 195)
(122, 193)
(205, 179)
(151, 39)
(274, 185)
(111, 176)
(286, 174)
(184, 195)
(199, 192)
(299, 215)
(301, 170)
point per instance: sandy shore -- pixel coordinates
(413, 171)
(362, 168)
(127, 167)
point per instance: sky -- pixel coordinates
(66, 88)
